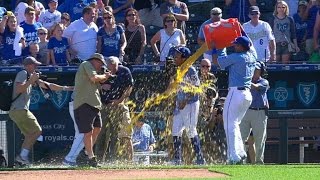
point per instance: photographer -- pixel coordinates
(19, 111)
(115, 113)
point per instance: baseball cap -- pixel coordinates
(98, 57)
(184, 51)
(305, 3)
(113, 60)
(49, 1)
(254, 9)
(30, 60)
(216, 10)
(243, 41)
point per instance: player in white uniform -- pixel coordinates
(261, 36)
(240, 66)
(187, 110)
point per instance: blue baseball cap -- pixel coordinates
(243, 41)
(184, 51)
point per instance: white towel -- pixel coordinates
(17, 46)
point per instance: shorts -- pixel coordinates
(282, 49)
(87, 117)
(25, 120)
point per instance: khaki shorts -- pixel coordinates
(25, 120)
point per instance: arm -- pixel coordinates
(316, 32)
(125, 95)
(125, 6)
(52, 59)
(3, 24)
(68, 56)
(181, 17)
(99, 44)
(123, 43)
(228, 2)
(22, 87)
(142, 31)
(153, 44)
(54, 87)
(182, 38)
(272, 47)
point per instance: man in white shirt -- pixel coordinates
(83, 34)
(261, 36)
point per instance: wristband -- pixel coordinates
(214, 51)
(64, 88)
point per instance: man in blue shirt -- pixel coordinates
(116, 128)
(74, 8)
(187, 109)
(143, 140)
(256, 116)
(240, 66)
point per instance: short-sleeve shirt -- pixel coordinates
(260, 36)
(190, 78)
(259, 97)
(119, 85)
(142, 138)
(179, 8)
(86, 91)
(111, 43)
(8, 41)
(240, 66)
(301, 27)
(48, 19)
(59, 48)
(23, 101)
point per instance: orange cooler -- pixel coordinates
(222, 33)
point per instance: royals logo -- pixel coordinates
(59, 98)
(307, 92)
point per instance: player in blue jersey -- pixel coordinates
(240, 66)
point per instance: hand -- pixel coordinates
(297, 49)
(272, 57)
(151, 148)
(5, 18)
(115, 11)
(182, 104)
(34, 77)
(106, 87)
(122, 52)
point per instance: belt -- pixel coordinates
(283, 43)
(257, 109)
(242, 88)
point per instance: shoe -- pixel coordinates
(200, 162)
(21, 161)
(69, 163)
(175, 163)
(93, 162)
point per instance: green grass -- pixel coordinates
(270, 172)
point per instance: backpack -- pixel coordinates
(6, 91)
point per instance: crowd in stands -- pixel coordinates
(55, 32)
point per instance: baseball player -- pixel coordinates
(256, 116)
(187, 110)
(260, 33)
(77, 145)
(240, 65)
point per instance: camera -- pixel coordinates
(41, 76)
(170, 66)
(111, 79)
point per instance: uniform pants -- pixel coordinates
(235, 107)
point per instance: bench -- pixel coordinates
(300, 131)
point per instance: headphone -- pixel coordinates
(263, 69)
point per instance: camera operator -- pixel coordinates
(19, 111)
(115, 113)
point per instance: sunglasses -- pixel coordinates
(283, 7)
(129, 15)
(169, 20)
(215, 14)
(65, 18)
(107, 17)
(253, 14)
(205, 66)
(42, 33)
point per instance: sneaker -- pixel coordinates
(69, 163)
(21, 161)
(93, 162)
(175, 163)
(200, 162)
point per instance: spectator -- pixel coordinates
(34, 50)
(256, 117)
(43, 45)
(169, 36)
(120, 7)
(65, 19)
(136, 37)
(293, 6)
(261, 36)
(310, 16)
(116, 127)
(239, 9)
(316, 33)
(83, 35)
(301, 25)
(87, 102)
(74, 8)
(111, 37)
(21, 7)
(283, 27)
(12, 40)
(19, 111)
(58, 47)
(215, 14)
(178, 9)
(149, 11)
(51, 16)
(143, 141)
(30, 28)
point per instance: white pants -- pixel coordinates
(235, 107)
(187, 118)
(77, 144)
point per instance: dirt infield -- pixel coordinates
(108, 174)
